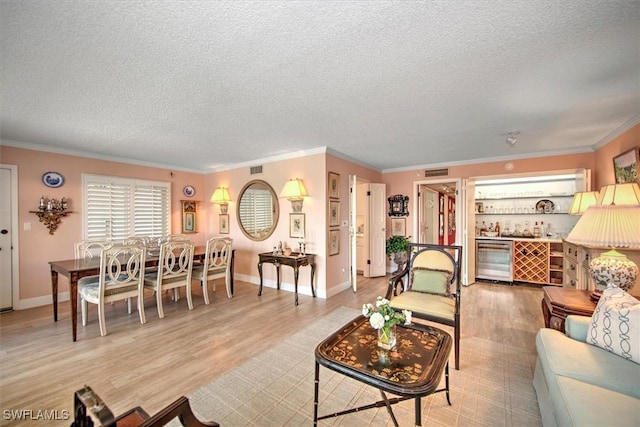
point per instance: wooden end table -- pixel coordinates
(412, 369)
(558, 303)
(295, 261)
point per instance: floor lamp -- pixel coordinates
(612, 226)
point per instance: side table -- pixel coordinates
(558, 303)
(295, 261)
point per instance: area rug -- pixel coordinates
(493, 388)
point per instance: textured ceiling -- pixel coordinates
(204, 85)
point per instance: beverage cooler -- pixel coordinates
(494, 260)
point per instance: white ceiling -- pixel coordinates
(205, 85)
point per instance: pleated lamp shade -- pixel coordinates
(620, 194)
(582, 201)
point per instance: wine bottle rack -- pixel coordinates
(531, 261)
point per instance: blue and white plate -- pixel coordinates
(189, 191)
(52, 179)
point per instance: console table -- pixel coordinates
(295, 261)
(558, 303)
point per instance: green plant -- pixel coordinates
(397, 244)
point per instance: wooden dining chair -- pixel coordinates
(174, 272)
(215, 265)
(121, 277)
(87, 249)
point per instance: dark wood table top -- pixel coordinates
(575, 300)
(413, 368)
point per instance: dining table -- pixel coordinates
(75, 269)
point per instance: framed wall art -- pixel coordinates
(334, 185)
(398, 226)
(296, 225)
(189, 219)
(334, 213)
(625, 166)
(224, 223)
(334, 242)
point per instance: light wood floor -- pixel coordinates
(153, 364)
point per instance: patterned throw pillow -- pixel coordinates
(615, 324)
(431, 281)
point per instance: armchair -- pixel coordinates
(432, 288)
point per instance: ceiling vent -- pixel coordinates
(436, 172)
(255, 169)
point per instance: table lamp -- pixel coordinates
(582, 200)
(614, 224)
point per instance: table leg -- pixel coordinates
(231, 267)
(278, 276)
(446, 382)
(295, 281)
(260, 272)
(316, 386)
(313, 272)
(546, 314)
(418, 403)
(389, 409)
(54, 294)
(73, 289)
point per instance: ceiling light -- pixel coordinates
(511, 138)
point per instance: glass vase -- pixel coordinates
(387, 337)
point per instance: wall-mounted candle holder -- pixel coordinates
(51, 211)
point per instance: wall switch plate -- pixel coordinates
(27, 226)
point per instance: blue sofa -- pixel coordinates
(579, 384)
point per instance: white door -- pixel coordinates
(377, 230)
(353, 224)
(374, 228)
(6, 282)
(428, 216)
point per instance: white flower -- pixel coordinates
(382, 301)
(367, 309)
(407, 316)
(376, 320)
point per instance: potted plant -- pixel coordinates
(396, 248)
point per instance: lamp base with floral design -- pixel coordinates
(387, 337)
(614, 268)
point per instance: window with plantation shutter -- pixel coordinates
(116, 208)
(256, 211)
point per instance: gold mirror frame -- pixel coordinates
(252, 195)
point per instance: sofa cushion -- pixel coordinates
(615, 324)
(581, 404)
(561, 355)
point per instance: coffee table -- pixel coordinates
(411, 370)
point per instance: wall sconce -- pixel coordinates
(295, 192)
(221, 197)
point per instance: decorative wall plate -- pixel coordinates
(52, 179)
(189, 191)
(545, 206)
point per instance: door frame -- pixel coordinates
(461, 214)
(15, 249)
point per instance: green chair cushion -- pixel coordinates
(431, 281)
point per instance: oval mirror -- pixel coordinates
(257, 210)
